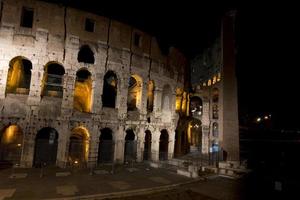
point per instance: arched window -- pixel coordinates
(109, 94)
(83, 91)
(86, 55)
(147, 145)
(150, 96)
(215, 129)
(196, 106)
(130, 146)
(134, 93)
(19, 76)
(53, 80)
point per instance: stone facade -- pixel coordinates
(56, 36)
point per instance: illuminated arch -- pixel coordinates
(79, 146)
(150, 96)
(83, 91)
(134, 93)
(19, 76)
(196, 106)
(11, 144)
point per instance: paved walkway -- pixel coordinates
(59, 183)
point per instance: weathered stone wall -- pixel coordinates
(56, 36)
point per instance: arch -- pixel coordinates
(195, 136)
(83, 91)
(196, 106)
(46, 143)
(147, 145)
(134, 93)
(86, 55)
(52, 82)
(19, 76)
(215, 129)
(166, 104)
(109, 94)
(78, 146)
(11, 144)
(130, 146)
(215, 95)
(150, 96)
(105, 149)
(163, 144)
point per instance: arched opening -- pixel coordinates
(147, 145)
(130, 146)
(150, 96)
(215, 95)
(11, 144)
(109, 94)
(196, 106)
(46, 142)
(83, 91)
(79, 147)
(53, 80)
(195, 135)
(134, 93)
(214, 152)
(19, 76)
(86, 55)
(166, 104)
(215, 128)
(163, 145)
(105, 151)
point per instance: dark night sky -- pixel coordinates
(267, 79)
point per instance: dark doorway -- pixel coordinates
(86, 55)
(46, 143)
(109, 94)
(163, 145)
(130, 146)
(105, 151)
(147, 145)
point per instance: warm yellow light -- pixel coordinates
(76, 161)
(83, 95)
(219, 77)
(209, 82)
(214, 80)
(14, 77)
(19, 145)
(10, 134)
(258, 119)
(266, 117)
(179, 92)
(184, 102)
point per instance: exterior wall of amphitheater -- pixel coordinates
(56, 36)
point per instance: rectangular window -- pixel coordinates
(27, 17)
(89, 25)
(137, 39)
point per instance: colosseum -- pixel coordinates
(81, 89)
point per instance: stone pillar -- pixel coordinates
(119, 145)
(97, 92)
(205, 140)
(140, 144)
(28, 150)
(122, 93)
(68, 94)
(157, 101)
(4, 66)
(63, 138)
(35, 91)
(155, 145)
(144, 96)
(171, 144)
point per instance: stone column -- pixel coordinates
(144, 96)
(63, 137)
(28, 150)
(122, 93)
(155, 145)
(68, 94)
(4, 66)
(171, 144)
(205, 140)
(119, 144)
(157, 101)
(140, 144)
(97, 92)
